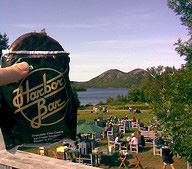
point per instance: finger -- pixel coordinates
(13, 73)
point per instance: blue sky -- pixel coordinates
(100, 34)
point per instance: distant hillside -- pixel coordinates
(115, 79)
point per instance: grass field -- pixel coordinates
(148, 161)
(86, 114)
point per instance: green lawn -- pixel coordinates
(86, 114)
(148, 160)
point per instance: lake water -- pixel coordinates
(95, 95)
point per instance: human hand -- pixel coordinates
(13, 73)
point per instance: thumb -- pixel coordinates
(13, 73)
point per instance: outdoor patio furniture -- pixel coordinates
(122, 129)
(123, 157)
(89, 128)
(111, 143)
(138, 162)
(84, 147)
(110, 133)
(134, 148)
(97, 157)
(141, 126)
(148, 135)
(95, 136)
(145, 134)
(41, 151)
(71, 154)
(88, 159)
(59, 152)
(79, 160)
(156, 150)
(56, 154)
(134, 124)
(124, 143)
(152, 135)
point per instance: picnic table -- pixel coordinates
(148, 135)
(125, 141)
(71, 154)
(59, 152)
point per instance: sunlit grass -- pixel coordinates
(86, 114)
(145, 115)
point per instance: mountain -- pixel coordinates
(115, 79)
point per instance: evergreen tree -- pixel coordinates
(134, 94)
(3, 42)
(110, 100)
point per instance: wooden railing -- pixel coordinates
(25, 160)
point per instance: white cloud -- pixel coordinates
(59, 25)
(128, 46)
(124, 43)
